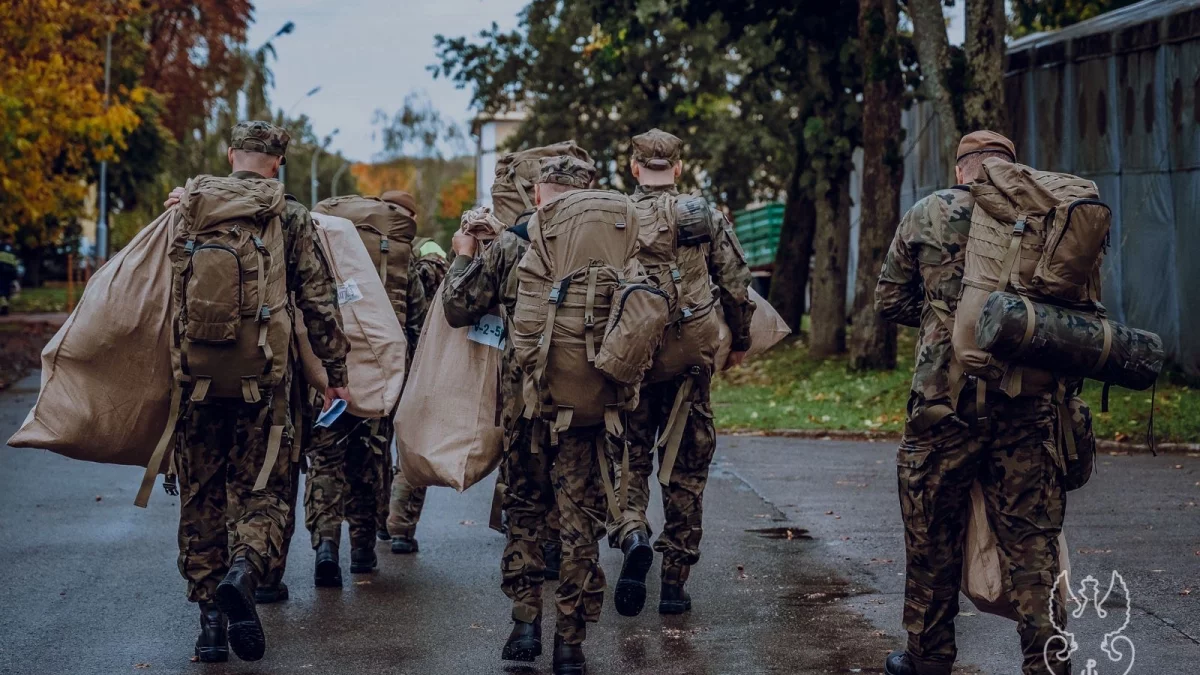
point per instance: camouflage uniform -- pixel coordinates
(399, 513)
(474, 287)
(947, 447)
(222, 444)
(683, 497)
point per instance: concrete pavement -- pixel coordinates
(91, 584)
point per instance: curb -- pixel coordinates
(1109, 447)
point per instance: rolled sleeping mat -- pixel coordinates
(1068, 342)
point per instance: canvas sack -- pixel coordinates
(767, 328)
(448, 431)
(378, 346)
(106, 374)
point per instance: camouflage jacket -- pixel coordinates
(481, 285)
(925, 265)
(425, 274)
(727, 267)
(312, 283)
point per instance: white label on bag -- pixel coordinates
(489, 330)
(348, 293)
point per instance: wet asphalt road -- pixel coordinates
(91, 586)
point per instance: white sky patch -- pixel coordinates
(366, 55)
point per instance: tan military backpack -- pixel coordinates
(1040, 233)
(676, 237)
(387, 230)
(516, 173)
(573, 288)
(230, 297)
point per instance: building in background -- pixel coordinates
(492, 131)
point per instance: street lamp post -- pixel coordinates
(102, 205)
(315, 155)
(311, 92)
(337, 177)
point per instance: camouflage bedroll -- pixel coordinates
(1069, 342)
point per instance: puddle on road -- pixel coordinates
(787, 533)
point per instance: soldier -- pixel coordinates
(223, 443)
(399, 514)
(474, 287)
(351, 464)
(949, 444)
(706, 245)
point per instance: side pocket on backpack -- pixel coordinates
(213, 295)
(1075, 240)
(639, 316)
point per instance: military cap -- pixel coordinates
(258, 136)
(985, 141)
(567, 170)
(656, 149)
(400, 198)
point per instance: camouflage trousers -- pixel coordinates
(683, 497)
(539, 478)
(345, 475)
(1010, 452)
(404, 507)
(220, 449)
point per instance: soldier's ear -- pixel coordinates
(229, 156)
(633, 166)
(678, 168)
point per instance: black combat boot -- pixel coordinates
(383, 535)
(235, 596)
(271, 592)
(213, 644)
(552, 555)
(329, 571)
(404, 545)
(673, 599)
(568, 659)
(900, 663)
(524, 643)
(363, 559)
(630, 595)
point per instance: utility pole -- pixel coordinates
(102, 219)
(337, 177)
(315, 155)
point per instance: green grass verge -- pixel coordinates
(49, 298)
(788, 389)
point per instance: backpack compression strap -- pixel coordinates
(672, 433)
(160, 451)
(614, 432)
(383, 251)
(589, 318)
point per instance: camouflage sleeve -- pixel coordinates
(727, 265)
(473, 286)
(898, 295)
(316, 297)
(418, 307)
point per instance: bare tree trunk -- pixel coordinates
(831, 253)
(789, 283)
(983, 102)
(873, 342)
(933, 54)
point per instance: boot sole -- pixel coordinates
(212, 654)
(404, 549)
(363, 569)
(674, 607)
(270, 598)
(328, 574)
(519, 651)
(630, 594)
(246, 636)
(572, 669)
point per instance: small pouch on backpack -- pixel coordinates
(639, 316)
(214, 295)
(1076, 235)
(1077, 443)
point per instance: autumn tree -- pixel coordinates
(54, 120)
(1034, 16)
(873, 343)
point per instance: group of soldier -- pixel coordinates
(234, 534)
(237, 518)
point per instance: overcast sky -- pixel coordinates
(368, 54)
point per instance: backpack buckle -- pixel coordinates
(1019, 227)
(687, 313)
(675, 275)
(190, 246)
(264, 313)
(589, 321)
(258, 244)
(383, 245)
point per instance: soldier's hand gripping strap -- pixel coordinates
(614, 432)
(160, 450)
(672, 433)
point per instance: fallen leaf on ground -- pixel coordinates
(362, 583)
(98, 498)
(141, 666)
(468, 523)
(1186, 591)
